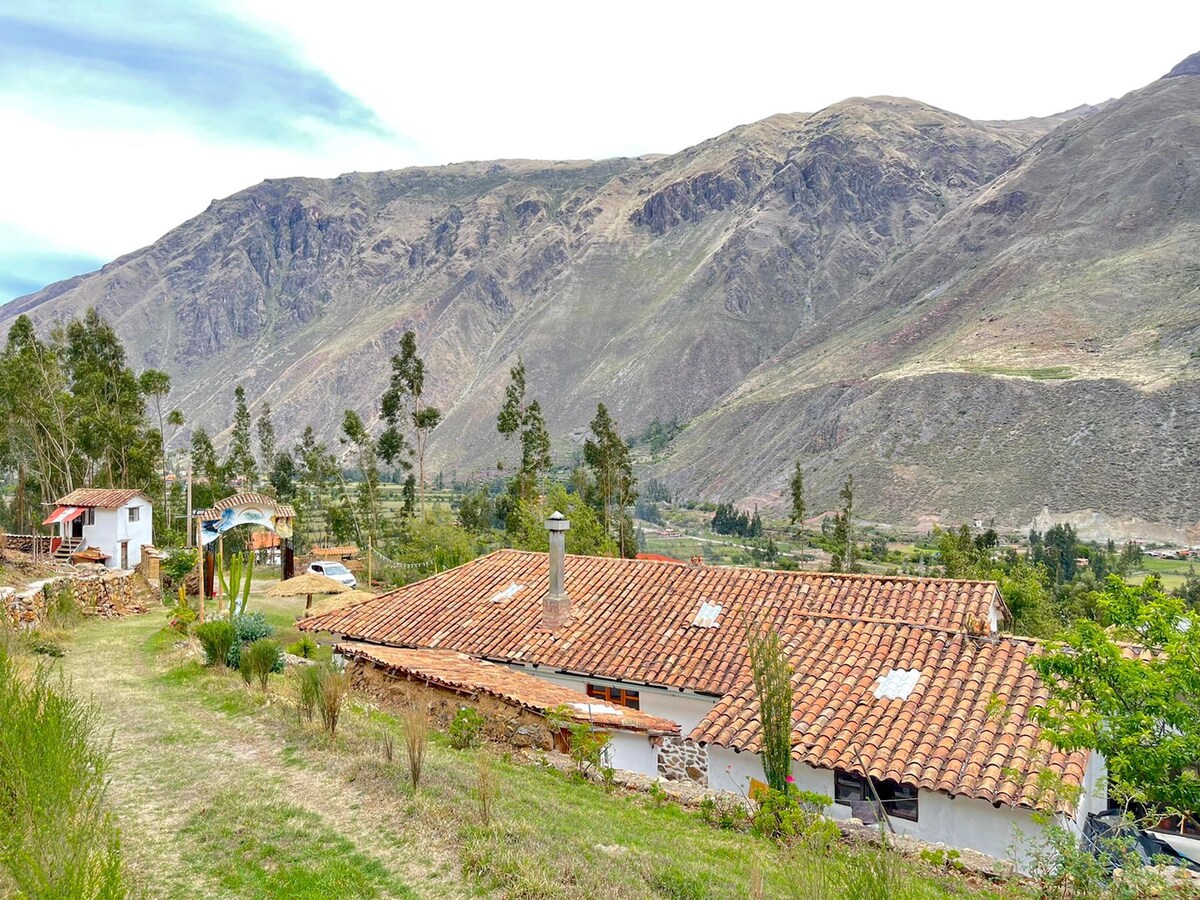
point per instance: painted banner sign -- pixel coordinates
(243, 515)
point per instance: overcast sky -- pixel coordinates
(120, 120)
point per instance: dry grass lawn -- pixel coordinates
(222, 792)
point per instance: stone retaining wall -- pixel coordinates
(105, 593)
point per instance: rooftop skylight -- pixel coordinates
(897, 684)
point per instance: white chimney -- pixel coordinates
(557, 606)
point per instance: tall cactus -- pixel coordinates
(240, 575)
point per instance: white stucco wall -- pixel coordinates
(112, 526)
(683, 707)
(1004, 832)
(636, 752)
(632, 752)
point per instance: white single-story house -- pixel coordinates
(114, 523)
(903, 687)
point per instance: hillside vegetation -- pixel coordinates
(977, 319)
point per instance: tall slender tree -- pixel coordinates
(796, 496)
(607, 455)
(523, 418)
(403, 406)
(240, 461)
(845, 557)
(366, 505)
(156, 386)
(267, 445)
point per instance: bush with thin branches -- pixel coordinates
(260, 658)
(216, 637)
(772, 675)
(487, 788)
(307, 681)
(416, 738)
(333, 687)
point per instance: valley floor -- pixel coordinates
(222, 792)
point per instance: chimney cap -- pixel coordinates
(557, 522)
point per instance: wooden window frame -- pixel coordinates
(617, 696)
(135, 514)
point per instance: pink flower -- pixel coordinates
(791, 780)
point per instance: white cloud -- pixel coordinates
(552, 80)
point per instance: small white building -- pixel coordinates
(113, 523)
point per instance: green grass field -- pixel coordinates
(222, 791)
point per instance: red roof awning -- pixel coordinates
(63, 514)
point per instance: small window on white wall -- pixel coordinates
(135, 513)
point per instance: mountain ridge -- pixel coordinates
(793, 270)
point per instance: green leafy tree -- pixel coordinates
(108, 407)
(208, 472)
(283, 476)
(367, 497)
(239, 464)
(612, 489)
(845, 555)
(772, 675)
(403, 406)
(587, 536)
(267, 444)
(1024, 584)
(523, 419)
(36, 412)
(318, 469)
(1128, 686)
(796, 508)
(156, 386)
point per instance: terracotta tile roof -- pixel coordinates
(953, 715)
(460, 672)
(102, 498)
(956, 718)
(263, 540)
(344, 550)
(246, 498)
(632, 620)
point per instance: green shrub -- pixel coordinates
(178, 564)
(305, 648)
(57, 839)
(249, 628)
(62, 610)
(586, 745)
(217, 637)
(261, 657)
(40, 642)
(466, 730)
(333, 687)
(181, 618)
(794, 816)
(724, 811)
(307, 680)
(244, 670)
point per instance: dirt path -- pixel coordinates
(172, 755)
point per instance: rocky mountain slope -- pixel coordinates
(974, 318)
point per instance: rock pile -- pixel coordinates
(97, 590)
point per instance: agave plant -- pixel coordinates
(237, 588)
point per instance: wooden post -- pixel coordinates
(368, 564)
(219, 561)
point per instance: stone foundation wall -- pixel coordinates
(682, 760)
(106, 594)
(503, 722)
